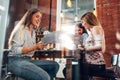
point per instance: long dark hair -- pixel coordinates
(79, 25)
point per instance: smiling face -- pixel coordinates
(36, 19)
(78, 30)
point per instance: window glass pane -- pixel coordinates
(71, 11)
(77, 9)
(3, 22)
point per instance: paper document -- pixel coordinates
(52, 37)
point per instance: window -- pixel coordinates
(3, 21)
(72, 10)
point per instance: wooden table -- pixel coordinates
(68, 69)
(47, 54)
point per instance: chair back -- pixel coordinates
(115, 60)
(5, 57)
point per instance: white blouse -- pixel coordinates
(93, 40)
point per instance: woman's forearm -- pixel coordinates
(29, 49)
(92, 48)
(39, 46)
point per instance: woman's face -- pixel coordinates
(78, 30)
(36, 19)
(85, 24)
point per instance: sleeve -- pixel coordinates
(17, 43)
(85, 36)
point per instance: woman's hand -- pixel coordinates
(81, 47)
(40, 45)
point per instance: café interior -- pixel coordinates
(59, 18)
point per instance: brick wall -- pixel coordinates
(108, 12)
(44, 6)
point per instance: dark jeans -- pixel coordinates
(89, 70)
(29, 69)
